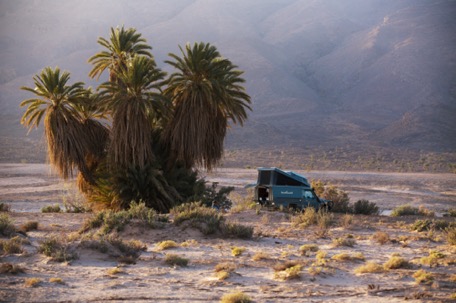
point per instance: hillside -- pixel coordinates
(361, 73)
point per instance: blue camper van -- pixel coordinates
(276, 187)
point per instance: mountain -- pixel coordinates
(320, 72)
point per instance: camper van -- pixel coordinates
(287, 189)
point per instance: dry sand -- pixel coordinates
(28, 187)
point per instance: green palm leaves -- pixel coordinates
(63, 126)
(206, 92)
(123, 45)
(159, 129)
(135, 103)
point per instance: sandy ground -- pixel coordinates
(27, 188)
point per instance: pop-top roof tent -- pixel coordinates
(276, 176)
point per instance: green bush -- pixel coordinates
(173, 259)
(6, 225)
(404, 210)
(364, 207)
(205, 219)
(51, 209)
(234, 230)
(427, 224)
(4, 207)
(57, 249)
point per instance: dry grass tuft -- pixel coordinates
(238, 297)
(237, 251)
(56, 280)
(8, 268)
(225, 266)
(346, 241)
(423, 277)
(6, 225)
(293, 272)
(369, 267)
(380, 237)
(167, 244)
(306, 249)
(348, 257)
(114, 271)
(433, 258)
(396, 262)
(451, 235)
(29, 226)
(190, 242)
(51, 209)
(173, 260)
(261, 256)
(222, 275)
(32, 282)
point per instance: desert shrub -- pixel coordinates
(189, 242)
(432, 259)
(452, 212)
(130, 248)
(364, 207)
(238, 297)
(6, 225)
(225, 266)
(348, 257)
(241, 203)
(320, 257)
(289, 273)
(451, 235)
(427, 224)
(28, 226)
(56, 280)
(404, 210)
(146, 215)
(167, 245)
(114, 271)
(423, 211)
(173, 259)
(380, 237)
(307, 248)
(324, 219)
(347, 220)
(74, 202)
(396, 262)
(340, 199)
(8, 268)
(222, 275)
(110, 220)
(237, 251)
(11, 246)
(51, 209)
(57, 249)
(369, 267)
(305, 219)
(235, 230)
(205, 219)
(4, 207)
(261, 256)
(422, 276)
(32, 282)
(344, 241)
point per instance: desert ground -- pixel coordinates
(259, 271)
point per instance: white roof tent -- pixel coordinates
(275, 176)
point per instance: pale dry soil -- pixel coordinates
(27, 188)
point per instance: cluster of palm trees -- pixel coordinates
(142, 134)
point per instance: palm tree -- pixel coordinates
(63, 127)
(135, 102)
(206, 92)
(123, 45)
